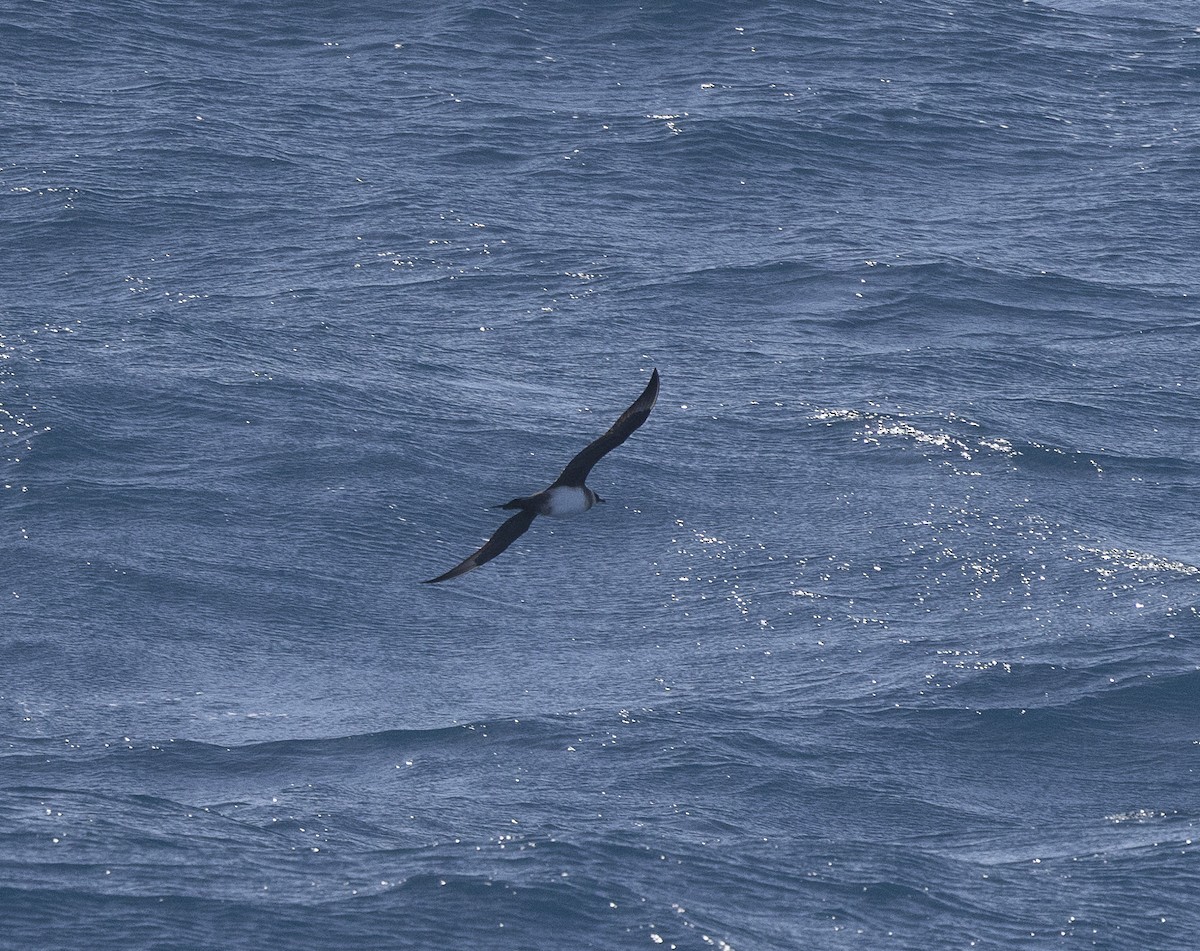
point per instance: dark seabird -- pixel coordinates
(568, 495)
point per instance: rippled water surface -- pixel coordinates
(887, 636)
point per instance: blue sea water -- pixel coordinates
(888, 635)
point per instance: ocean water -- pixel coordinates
(888, 635)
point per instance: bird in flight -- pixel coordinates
(567, 495)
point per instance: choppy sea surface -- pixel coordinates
(887, 636)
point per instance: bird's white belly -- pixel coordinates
(567, 500)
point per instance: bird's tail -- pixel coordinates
(524, 504)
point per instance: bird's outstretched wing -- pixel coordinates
(505, 535)
(578, 468)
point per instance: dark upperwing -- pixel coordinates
(505, 535)
(578, 468)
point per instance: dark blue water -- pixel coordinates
(888, 635)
